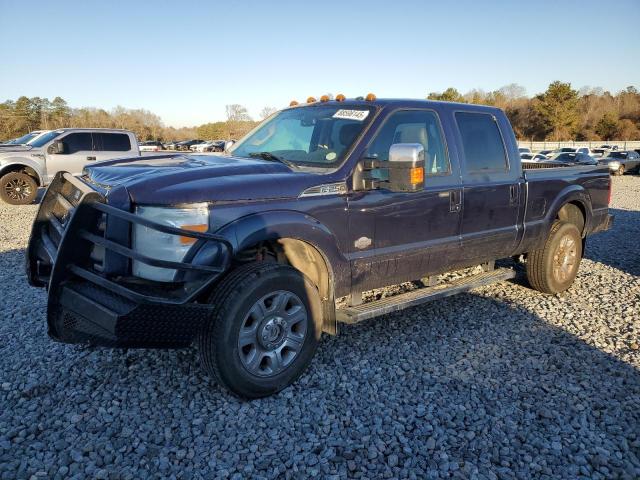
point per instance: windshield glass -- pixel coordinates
(617, 155)
(23, 139)
(40, 141)
(317, 136)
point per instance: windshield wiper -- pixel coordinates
(272, 158)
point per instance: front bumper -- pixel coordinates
(87, 300)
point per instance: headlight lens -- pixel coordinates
(163, 246)
(614, 165)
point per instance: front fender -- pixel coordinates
(277, 224)
(8, 162)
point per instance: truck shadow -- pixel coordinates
(455, 377)
(618, 247)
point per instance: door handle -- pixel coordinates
(455, 201)
(513, 194)
(91, 158)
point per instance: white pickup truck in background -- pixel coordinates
(24, 168)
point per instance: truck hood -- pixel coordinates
(178, 178)
(15, 148)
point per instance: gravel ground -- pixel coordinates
(502, 382)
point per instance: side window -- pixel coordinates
(77, 142)
(413, 126)
(482, 143)
(111, 142)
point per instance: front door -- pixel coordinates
(491, 190)
(78, 150)
(398, 237)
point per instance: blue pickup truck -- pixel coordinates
(254, 253)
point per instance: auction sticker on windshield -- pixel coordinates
(359, 115)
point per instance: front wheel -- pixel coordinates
(553, 268)
(620, 170)
(18, 188)
(264, 331)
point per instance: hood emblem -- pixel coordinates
(362, 243)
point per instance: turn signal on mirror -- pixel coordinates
(417, 175)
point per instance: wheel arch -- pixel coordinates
(302, 242)
(572, 205)
(27, 167)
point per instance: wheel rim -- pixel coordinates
(565, 258)
(17, 189)
(272, 333)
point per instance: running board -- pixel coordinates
(399, 302)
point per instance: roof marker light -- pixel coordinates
(340, 98)
(293, 103)
(324, 98)
(370, 97)
(311, 100)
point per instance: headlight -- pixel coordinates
(163, 246)
(614, 165)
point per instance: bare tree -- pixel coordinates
(237, 113)
(267, 112)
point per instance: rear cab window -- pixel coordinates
(111, 142)
(482, 143)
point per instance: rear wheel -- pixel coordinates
(18, 188)
(264, 332)
(553, 268)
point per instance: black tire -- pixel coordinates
(253, 370)
(553, 268)
(18, 188)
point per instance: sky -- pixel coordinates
(186, 60)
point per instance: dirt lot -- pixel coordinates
(502, 382)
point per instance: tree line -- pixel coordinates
(27, 114)
(559, 113)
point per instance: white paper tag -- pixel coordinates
(358, 115)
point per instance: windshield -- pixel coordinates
(318, 136)
(22, 140)
(47, 137)
(616, 155)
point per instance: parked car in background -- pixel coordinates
(524, 150)
(569, 158)
(172, 145)
(23, 140)
(585, 150)
(186, 144)
(546, 153)
(562, 150)
(67, 149)
(151, 146)
(216, 146)
(609, 147)
(194, 147)
(621, 162)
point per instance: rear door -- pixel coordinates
(397, 236)
(108, 145)
(491, 189)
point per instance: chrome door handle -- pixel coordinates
(91, 158)
(455, 201)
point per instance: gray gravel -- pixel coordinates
(502, 382)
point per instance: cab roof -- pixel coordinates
(403, 103)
